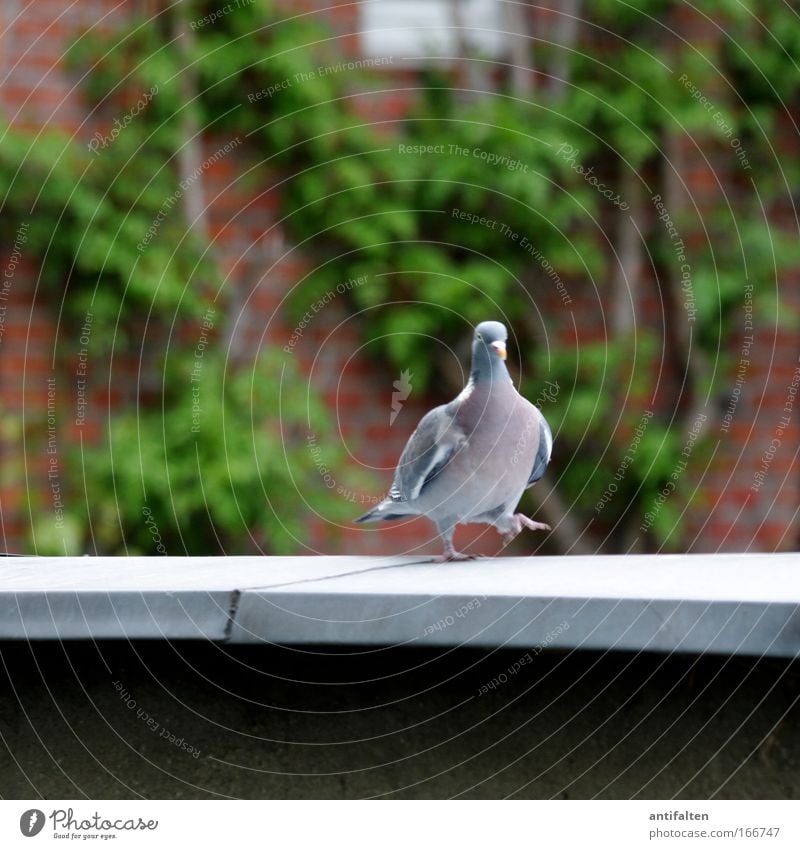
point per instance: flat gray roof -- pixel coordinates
(722, 603)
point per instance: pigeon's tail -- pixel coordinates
(386, 511)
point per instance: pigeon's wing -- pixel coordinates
(428, 451)
(543, 452)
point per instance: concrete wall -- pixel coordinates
(161, 720)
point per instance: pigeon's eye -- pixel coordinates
(479, 337)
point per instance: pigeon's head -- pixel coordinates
(490, 336)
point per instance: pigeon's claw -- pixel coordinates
(520, 521)
(455, 556)
(530, 524)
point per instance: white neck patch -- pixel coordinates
(466, 391)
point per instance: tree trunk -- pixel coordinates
(565, 36)
(473, 73)
(520, 48)
(190, 153)
(691, 363)
(628, 268)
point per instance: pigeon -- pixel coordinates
(469, 461)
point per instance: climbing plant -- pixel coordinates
(518, 203)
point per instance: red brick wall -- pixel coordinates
(251, 248)
(248, 242)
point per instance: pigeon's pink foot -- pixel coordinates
(453, 557)
(530, 524)
(520, 521)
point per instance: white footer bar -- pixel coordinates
(407, 824)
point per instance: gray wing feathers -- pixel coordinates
(427, 452)
(543, 452)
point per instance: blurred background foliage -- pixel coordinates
(361, 205)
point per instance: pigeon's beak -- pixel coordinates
(500, 347)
